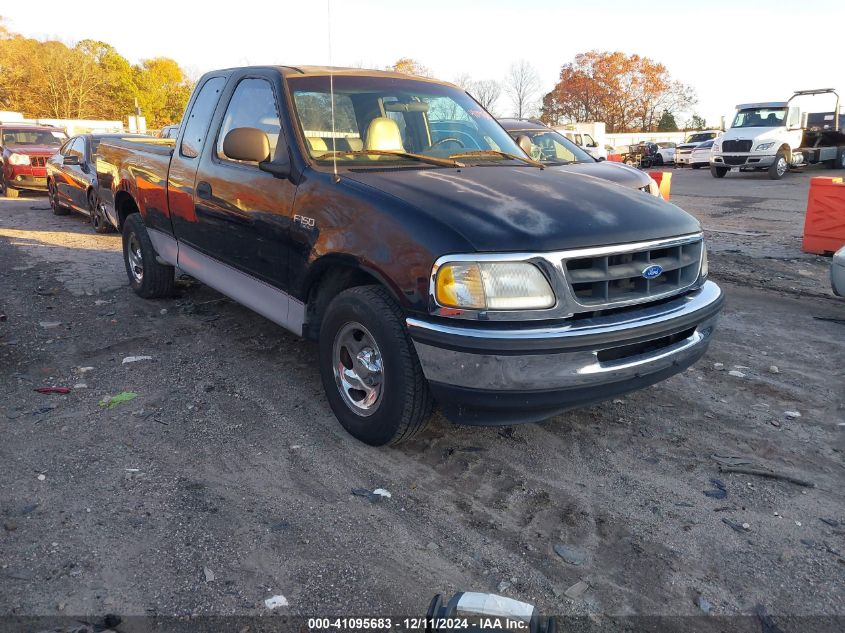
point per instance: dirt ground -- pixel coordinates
(227, 479)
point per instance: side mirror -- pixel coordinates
(71, 159)
(524, 144)
(248, 144)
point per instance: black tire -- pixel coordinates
(779, 166)
(98, 219)
(695, 166)
(404, 403)
(9, 192)
(718, 172)
(658, 160)
(153, 280)
(53, 197)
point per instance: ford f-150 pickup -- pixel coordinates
(328, 201)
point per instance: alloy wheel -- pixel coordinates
(358, 368)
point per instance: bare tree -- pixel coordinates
(521, 85)
(487, 92)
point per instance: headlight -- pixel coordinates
(653, 187)
(18, 159)
(705, 266)
(493, 286)
(763, 146)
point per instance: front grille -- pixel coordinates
(736, 146)
(38, 161)
(734, 160)
(613, 279)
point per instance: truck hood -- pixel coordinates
(619, 173)
(34, 150)
(752, 133)
(512, 208)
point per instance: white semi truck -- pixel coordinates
(777, 136)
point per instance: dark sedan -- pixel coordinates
(555, 150)
(72, 178)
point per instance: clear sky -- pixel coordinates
(731, 51)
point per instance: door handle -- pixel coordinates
(204, 190)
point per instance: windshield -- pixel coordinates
(548, 146)
(701, 136)
(760, 117)
(385, 119)
(24, 137)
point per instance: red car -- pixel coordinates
(26, 149)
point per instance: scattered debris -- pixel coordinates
(704, 604)
(112, 401)
(374, 496)
(61, 390)
(736, 374)
(41, 477)
(792, 414)
(719, 493)
(774, 369)
(571, 554)
(209, 575)
(762, 471)
(718, 366)
(503, 586)
(135, 359)
(84, 370)
(736, 527)
(80, 385)
(831, 522)
(577, 590)
(746, 526)
(775, 423)
(276, 601)
(47, 325)
(726, 460)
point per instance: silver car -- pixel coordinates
(837, 272)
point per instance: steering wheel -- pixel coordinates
(445, 140)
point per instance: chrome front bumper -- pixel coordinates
(500, 376)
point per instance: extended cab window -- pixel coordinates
(198, 121)
(252, 105)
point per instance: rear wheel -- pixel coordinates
(779, 167)
(658, 160)
(148, 278)
(370, 370)
(53, 196)
(718, 172)
(98, 219)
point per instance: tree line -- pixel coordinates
(90, 80)
(629, 93)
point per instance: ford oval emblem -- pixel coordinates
(653, 271)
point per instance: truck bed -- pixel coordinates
(137, 167)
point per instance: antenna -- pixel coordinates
(331, 90)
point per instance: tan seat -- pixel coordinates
(317, 145)
(383, 134)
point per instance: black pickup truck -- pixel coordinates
(428, 271)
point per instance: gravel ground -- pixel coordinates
(227, 480)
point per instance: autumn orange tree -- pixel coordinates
(627, 92)
(89, 80)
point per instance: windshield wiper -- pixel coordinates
(494, 152)
(443, 162)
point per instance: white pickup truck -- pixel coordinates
(776, 136)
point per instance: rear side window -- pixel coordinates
(196, 127)
(252, 105)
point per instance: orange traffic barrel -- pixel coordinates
(824, 224)
(664, 181)
(614, 158)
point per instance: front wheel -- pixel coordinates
(53, 197)
(658, 160)
(8, 191)
(370, 370)
(779, 167)
(718, 172)
(695, 166)
(98, 218)
(148, 278)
